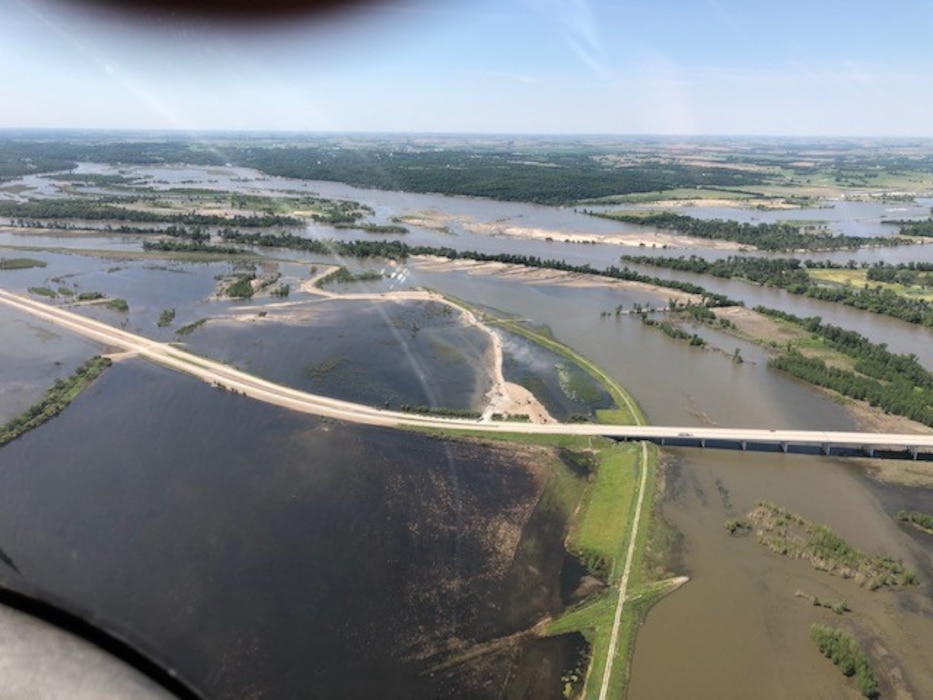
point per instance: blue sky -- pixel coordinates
(739, 67)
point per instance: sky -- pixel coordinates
(685, 67)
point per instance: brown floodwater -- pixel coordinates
(737, 629)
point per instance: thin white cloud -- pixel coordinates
(579, 29)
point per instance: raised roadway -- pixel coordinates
(221, 375)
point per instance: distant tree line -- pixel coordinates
(552, 176)
(791, 274)
(397, 250)
(192, 246)
(764, 236)
(546, 178)
(88, 210)
(909, 274)
(913, 228)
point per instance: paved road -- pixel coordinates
(219, 374)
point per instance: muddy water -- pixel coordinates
(737, 630)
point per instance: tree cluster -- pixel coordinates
(545, 178)
(844, 651)
(896, 383)
(791, 274)
(765, 236)
(89, 210)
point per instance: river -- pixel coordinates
(736, 629)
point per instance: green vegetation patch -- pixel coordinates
(598, 536)
(843, 649)
(905, 284)
(241, 288)
(627, 411)
(189, 328)
(896, 383)
(119, 305)
(342, 275)
(20, 263)
(672, 331)
(442, 411)
(376, 228)
(900, 290)
(166, 318)
(790, 535)
(764, 236)
(921, 521)
(56, 399)
(594, 616)
(43, 292)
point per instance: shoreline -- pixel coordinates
(437, 221)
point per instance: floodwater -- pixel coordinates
(265, 553)
(382, 353)
(34, 356)
(851, 217)
(735, 630)
(565, 390)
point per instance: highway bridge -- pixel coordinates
(879, 445)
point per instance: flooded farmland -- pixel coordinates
(311, 554)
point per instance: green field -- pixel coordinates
(859, 278)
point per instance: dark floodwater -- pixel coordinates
(373, 352)
(270, 554)
(34, 355)
(562, 387)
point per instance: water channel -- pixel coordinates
(736, 629)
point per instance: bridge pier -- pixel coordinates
(784, 447)
(868, 450)
(744, 445)
(702, 442)
(826, 448)
(914, 451)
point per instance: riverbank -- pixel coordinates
(438, 221)
(774, 336)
